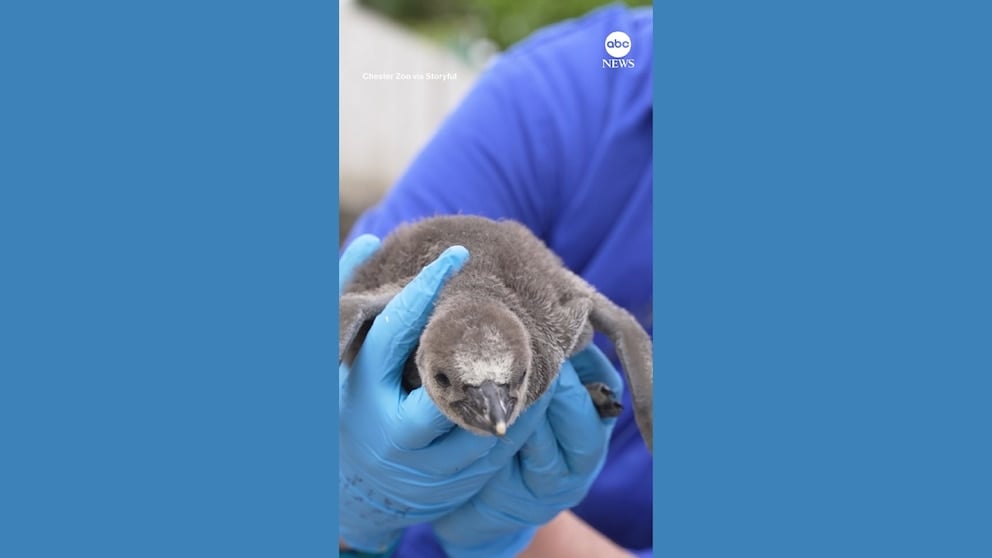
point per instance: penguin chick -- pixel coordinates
(501, 327)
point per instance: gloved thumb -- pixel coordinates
(355, 254)
(420, 422)
(395, 332)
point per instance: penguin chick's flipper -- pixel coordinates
(604, 399)
(635, 351)
(356, 313)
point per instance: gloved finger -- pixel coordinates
(486, 453)
(419, 421)
(460, 451)
(478, 529)
(542, 465)
(576, 424)
(592, 366)
(354, 255)
(395, 331)
(524, 427)
(540, 452)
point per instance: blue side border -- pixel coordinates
(823, 307)
(168, 224)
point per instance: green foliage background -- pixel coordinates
(503, 21)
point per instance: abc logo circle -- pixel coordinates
(617, 44)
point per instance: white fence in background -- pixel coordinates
(385, 122)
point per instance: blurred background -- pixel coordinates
(384, 123)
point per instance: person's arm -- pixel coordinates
(567, 535)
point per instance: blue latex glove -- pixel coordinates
(402, 462)
(553, 471)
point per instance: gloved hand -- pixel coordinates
(553, 471)
(401, 461)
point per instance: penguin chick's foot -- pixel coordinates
(604, 399)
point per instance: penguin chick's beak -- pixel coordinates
(492, 405)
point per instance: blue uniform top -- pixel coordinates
(557, 135)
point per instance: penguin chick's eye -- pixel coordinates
(442, 379)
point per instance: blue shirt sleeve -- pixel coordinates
(557, 136)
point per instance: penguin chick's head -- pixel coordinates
(473, 359)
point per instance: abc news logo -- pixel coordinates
(617, 46)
